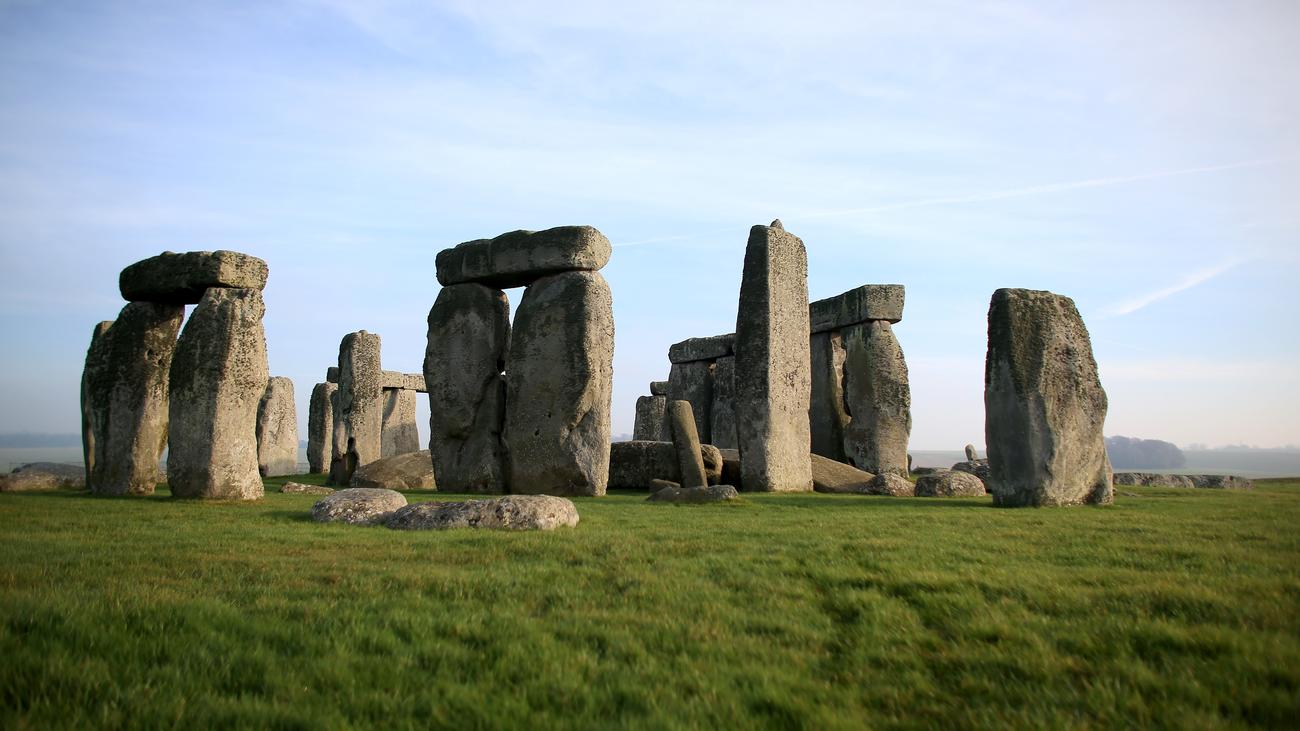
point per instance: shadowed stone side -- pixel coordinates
(277, 429)
(130, 395)
(878, 397)
(722, 413)
(400, 435)
(635, 464)
(320, 427)
(651, 423)
(360, 410)
(686, 443)
(217, 380)
(469, 332)
(1044, 404)
(772, 367)
(693, 382)
(827, 416)
(659, 388)
(91, 402)
(410, 471)
(519, 258)
(181, 279)
(559, 376)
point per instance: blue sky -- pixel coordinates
(1143, 158)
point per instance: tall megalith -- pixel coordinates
(320, 427)
(650, 418)
(91, 401)
(359, 411)
(400, 435)
(879, 399)
(277, 429)
(218, 378)
(827, 415)
(1044, 405)
(772, 363)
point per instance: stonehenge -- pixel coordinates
(1044, 405)
(650, 418)
(320, 427)
(277, 429)
(686, 443)
(522, 408)
(878, 398)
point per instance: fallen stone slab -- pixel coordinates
(358, 506)
(711, 348)
(410, 471)
(512, 512)
(633, 465)
(694, 495)
(1151, 479)
(1229, 482)
(892, 484)
(299, 488)
(519, 258)
(181, 279)
(977, 467)
(949, 483)
(836, 477)
(36, 476)
(865, 303)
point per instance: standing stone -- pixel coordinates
(1044, 404)
(650, 421)
(971, 455)
(96, 362)
(361, 402)
(693, 382)
(559, 376)
(659, 388)
(400, 435)
(469, 332)
(320, 427)
(686, 442)
(772, 366)
(129, 394)
(339, 472)
(827, 415)
(217, 381)
(722, 413)
(277, 429)
(879, 399)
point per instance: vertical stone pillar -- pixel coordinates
(361, 403)
(129, 393)
(218, 378)
(772, 364)
(400, 434)
(340, 474)
(692, 381)
(96, 362)
(320, 427)
(559, 377)
(1044, 405)
(650, 418)
(879, 399)
(469, 332)
(277, 429)
(722, 414)
(827, 416)
(686, 443)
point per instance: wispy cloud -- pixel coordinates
(1130, 306)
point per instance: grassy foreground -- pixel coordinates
(1173, 608)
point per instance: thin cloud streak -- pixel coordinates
(1133, 305)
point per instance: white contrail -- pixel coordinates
(1191, 280)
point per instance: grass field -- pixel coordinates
(1173, 608)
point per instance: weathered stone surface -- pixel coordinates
(686, 443)
(918, 471)
(277, 429)
(836, 477)
(892, 484)
(694, 495)
(299, 488)
(469, 332)
(320, 427)
(361, 396)
(560, 374)
(971, 454)
(129, 393)
(1229, 482)
(409, 471)
(181, 279)
(512, 512)
(772, 367)
(979, 468)
(731, 474)
(711, 348)
(342, 461)
(217, 381)
(693, 382)
(651, 423)
(659, 388)
(96, 363)
(407, 381)
(519, 258)
(1044, 404)
(949, 483)
(856, 306)
(358, 506)
(635, 464)
(400, 434)
(1151, 479)
(43, 476)
(827, 415)
(657, 485)
(722, 412)
(878, 397)
(332, 375)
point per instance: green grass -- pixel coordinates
(1173, 608)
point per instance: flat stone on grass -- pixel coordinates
(512, 512)
(694, 495)
(358, 506)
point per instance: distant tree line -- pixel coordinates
(1145, 454)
